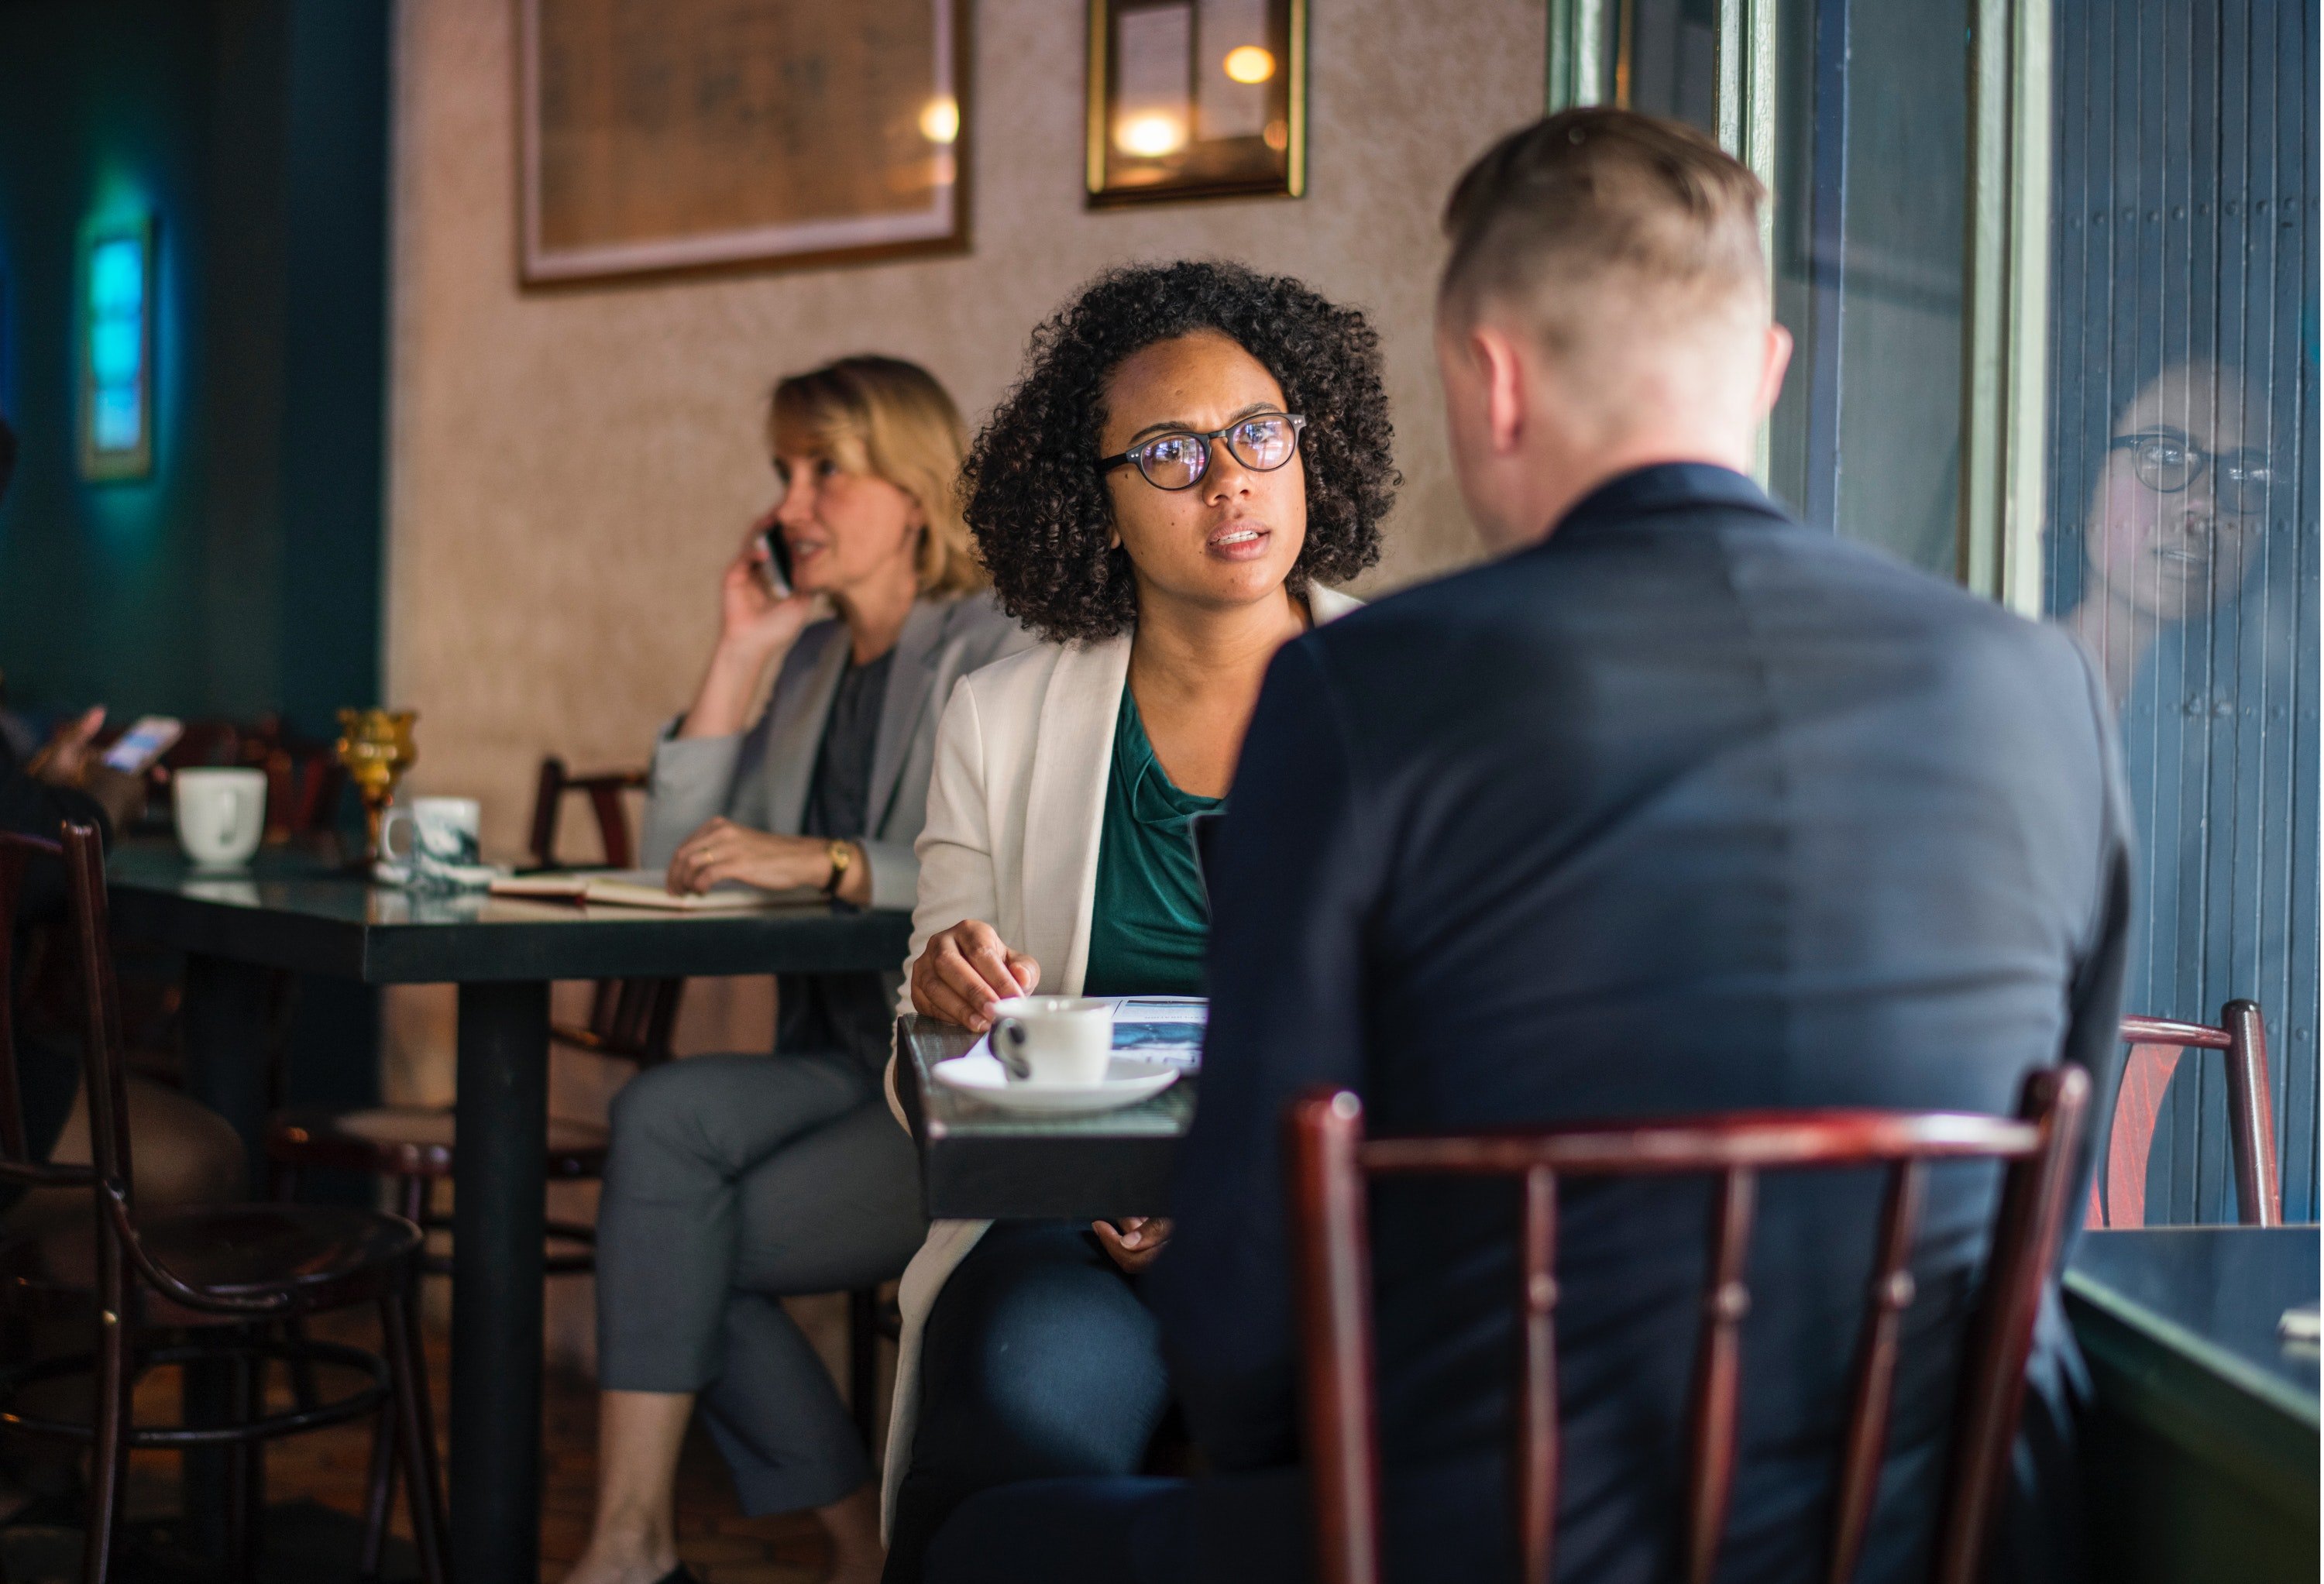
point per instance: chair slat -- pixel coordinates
(1333, 1264)
(1536, 1453)
(1874, 1388)
(15, 850)
(1726, 1300)
(1993, 1385)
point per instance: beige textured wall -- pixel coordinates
(571, 469)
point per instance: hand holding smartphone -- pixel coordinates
(141, 744)
(777, 563)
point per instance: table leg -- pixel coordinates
(500, 1201)
(225, 1019)
(226, 1015)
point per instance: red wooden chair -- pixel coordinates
(604, 793)
(1329, 1160)
(200, 1287)
(2118, 1191)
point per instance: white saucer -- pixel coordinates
(1127, 1082)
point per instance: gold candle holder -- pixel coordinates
(375, 747)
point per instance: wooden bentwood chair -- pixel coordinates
(209, 1285)
(1329, 1160)
(2118, 1192)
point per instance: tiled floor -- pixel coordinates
(316, 1483)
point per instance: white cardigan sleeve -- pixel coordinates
(957, 881)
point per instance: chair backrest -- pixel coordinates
(81, 853)
(304, 777)
(2118, 1192)
(1329, 1160)
(604, 795)
(629, 1018)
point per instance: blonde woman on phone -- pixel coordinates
(735, 1179)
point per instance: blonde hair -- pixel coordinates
(890, 420)
(1599, 201)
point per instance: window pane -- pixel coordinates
(1873, 131)
(2184, 312)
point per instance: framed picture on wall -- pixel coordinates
(697, 133)
(1196, 98)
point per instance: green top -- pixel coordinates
(1148, 922)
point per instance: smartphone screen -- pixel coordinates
(141, 744)
(778, 564)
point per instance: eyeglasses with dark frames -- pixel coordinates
(1181, 458)
(2168, 463)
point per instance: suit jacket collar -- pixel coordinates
(798, 737)
(1664, 486)
(906, 698)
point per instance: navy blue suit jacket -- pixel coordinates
(1687, 808)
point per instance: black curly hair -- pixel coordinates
(1036, 503)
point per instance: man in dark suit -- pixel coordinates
(1679, 807)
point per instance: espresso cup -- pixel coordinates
(221, 814)
(445, 835)
(1063, 1040)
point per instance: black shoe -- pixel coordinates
(680, 1574)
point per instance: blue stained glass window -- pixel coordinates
(114, 349)
(117, 344)
(116, 417)
(116, 277)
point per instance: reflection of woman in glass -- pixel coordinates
(2175, 515)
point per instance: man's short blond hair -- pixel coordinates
(1600, 209)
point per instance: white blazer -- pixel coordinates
(1026, 745)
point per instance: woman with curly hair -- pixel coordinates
(1195, 451)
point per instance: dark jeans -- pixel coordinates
(1038, 1361)
(1244, 1529)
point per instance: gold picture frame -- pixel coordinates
(720, 133)
(1196, 99)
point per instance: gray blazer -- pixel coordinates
(759, 778)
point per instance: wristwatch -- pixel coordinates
(843, 858)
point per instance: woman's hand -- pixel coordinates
(1135, 1244)
(751, 616)
(64, 760)
(963, 971)
(754, 626)
(723, 851)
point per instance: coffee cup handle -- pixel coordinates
(387, 829)
(1009, 1047)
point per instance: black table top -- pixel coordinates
(292, 909)
(2215, 1293)
(978, 1162)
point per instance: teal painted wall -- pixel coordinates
(243, 576)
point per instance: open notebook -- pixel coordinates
(643, 887)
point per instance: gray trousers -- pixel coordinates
(733, 1181)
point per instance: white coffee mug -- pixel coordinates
(221, 815)
(445, 836)
(1064, 1040)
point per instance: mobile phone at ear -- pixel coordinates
(777, 563)
(141, 744)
